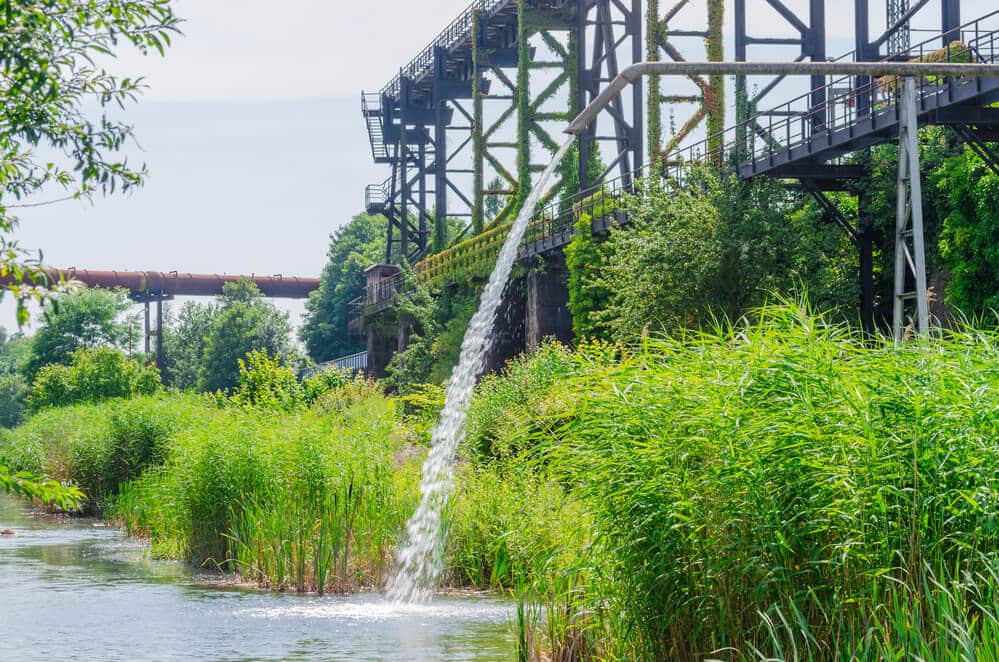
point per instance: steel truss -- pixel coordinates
(670, 34)
(471, 107)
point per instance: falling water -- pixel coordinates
(421, 560)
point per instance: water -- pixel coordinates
(421, 559)
(70, 590)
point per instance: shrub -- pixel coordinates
(13, 392)
(266, 383)
(94, 375)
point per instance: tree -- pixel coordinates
(353, 248)
(662, 268)
(968, 239)
(245, 322)
(184, 344)
(82, 319)
(51, 83)
(48, 78)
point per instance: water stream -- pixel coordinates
(421, 559)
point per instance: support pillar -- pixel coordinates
(910, 255)
(950, 21)
(380, 325)
(547, 303)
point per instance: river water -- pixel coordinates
(71, 589)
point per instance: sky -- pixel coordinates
(252, 134)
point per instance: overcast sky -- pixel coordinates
(253, 136)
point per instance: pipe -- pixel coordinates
(872, 69)
(173, 283)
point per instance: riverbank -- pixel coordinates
(778, 489)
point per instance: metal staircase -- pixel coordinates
(371, 108)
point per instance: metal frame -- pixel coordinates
(489, 56)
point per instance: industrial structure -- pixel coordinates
(152, 288)
(481, 103)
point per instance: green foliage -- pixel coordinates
(87, 318)
(13, 393)
(586, 256)
(784, 487)
(264, 382)
(508, 406)
(50, 134)
(49, 492)
(353, 248)
(664, 266)
(245, 322)
(438, 326)
(968, 241)
(94, 375)
(184, 344)
(14, 351)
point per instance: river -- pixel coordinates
(73, 589)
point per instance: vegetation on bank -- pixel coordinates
(776, 489)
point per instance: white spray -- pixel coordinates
(421, 559)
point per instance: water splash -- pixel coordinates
(421, 559)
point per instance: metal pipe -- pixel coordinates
(872, 69)
(173, 283)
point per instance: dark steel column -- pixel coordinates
(742, 110)
(634, 32)
(403, 157)
(422, 202)
(862, 46)
(440, 155)
(583, 88)
(815, 44)
(159, 332)
(950, 20)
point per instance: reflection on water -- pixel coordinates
(70, 590)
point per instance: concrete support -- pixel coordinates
(380, 324)
(508, 332)
(547, 314)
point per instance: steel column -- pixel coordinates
(910, 255)
(950, 21)
(440, 155)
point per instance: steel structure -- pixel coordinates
(473, 107)
(802, 140)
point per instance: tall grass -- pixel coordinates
(784, 490)
(311, 499)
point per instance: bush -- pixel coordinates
(13, 393)
(94, 375)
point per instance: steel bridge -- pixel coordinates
(490, 55)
